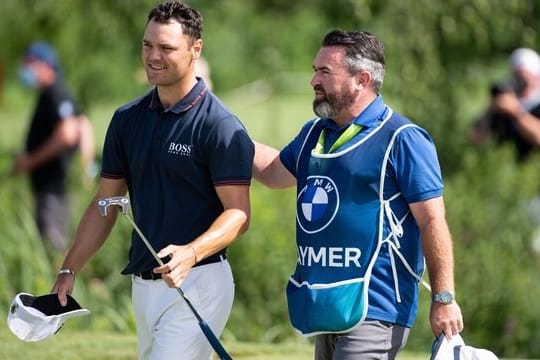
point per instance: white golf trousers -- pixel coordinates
(167, 328)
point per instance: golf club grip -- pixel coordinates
(214, 342)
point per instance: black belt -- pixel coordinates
(150, 275)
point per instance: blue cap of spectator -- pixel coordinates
(44, 52)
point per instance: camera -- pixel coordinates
(514, 84)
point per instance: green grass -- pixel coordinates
(75, 345)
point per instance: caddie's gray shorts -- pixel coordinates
(372, 340)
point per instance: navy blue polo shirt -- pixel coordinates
(172, 160)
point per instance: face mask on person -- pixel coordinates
(28, 76)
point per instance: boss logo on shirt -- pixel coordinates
(180, 149)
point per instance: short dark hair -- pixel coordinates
(190, 19)
(363, 51)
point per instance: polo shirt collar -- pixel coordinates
(190, 100)
(370, 117)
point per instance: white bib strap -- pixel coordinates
(395, 224)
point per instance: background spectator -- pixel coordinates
(57, 128)
(514, 111)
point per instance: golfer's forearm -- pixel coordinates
(91, 233)
(225, 229)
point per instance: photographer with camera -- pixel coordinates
(514, 110)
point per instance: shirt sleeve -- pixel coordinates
(290, 153)
(288, 156)
(230, 152)
(416, 166)
(63, 102)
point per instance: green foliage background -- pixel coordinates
(441, 58)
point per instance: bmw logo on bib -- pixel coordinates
(317, 204)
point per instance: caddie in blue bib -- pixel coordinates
(345, 219)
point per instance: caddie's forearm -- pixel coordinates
(262, 161)
(437, 246)
(268, 169)
(430, 215)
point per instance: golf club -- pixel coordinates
(123, 203)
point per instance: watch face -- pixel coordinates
(445, 297)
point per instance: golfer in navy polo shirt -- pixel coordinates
(185, 161)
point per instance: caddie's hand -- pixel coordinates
(445, 318)
(63, 286)
(182, 259)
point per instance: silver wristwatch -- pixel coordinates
(445, 297)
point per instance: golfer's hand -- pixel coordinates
(63, 286)
(176, 269)
(445, 318)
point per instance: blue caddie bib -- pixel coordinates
(343, 219)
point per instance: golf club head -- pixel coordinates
(121, 201)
